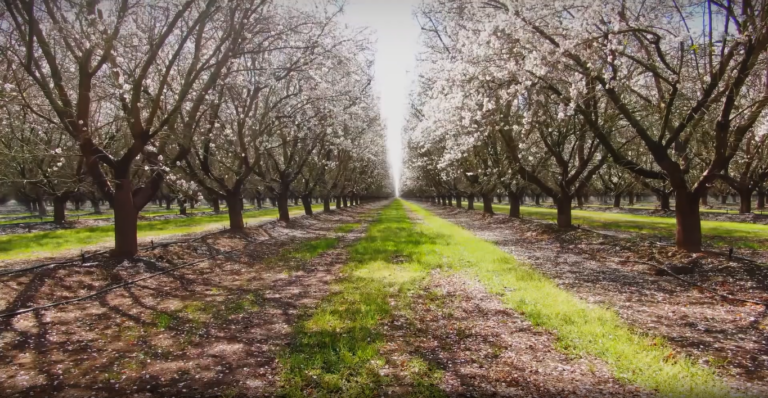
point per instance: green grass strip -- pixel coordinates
(48, 243)
(581, 328)
(719, 233)
(335, 352)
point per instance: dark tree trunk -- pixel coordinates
(235, 211)
(344, 201)
(96, 206)
(488, 204)
(338, 202)
(631, 199)
(59, 210)
(514, 204)
(326, 204)
(216, 206)
(617, 200)
(282, 205)
(471, 202)
(564, 212)
(259, 203)
(168, 204)
(579, 201)
(192, 203)
(458, 201)
(450, 200)
(723, 199)
(760, 200)
(745, 205)
(182, 207)
(41, 209)
(499, 198)
(126, 220)
(664, 203)
(273, 201)
(77, 204)
(306, 200)
(688, 236)
(704, 200)
(537, 198)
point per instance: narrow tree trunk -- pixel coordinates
(41, 209)
(760, 200)
(579, 201)
(76, 203)
(168, 204)
(182, 207)
(192, 203)
(282, 205)
(59, 210)
(564, 212)
(216, 206)
(306, 200)
(96, 206)
(688, 235)
(488, 204)
(471, 202)
(745, 197)
(458, 201)
(273, 201)
(326, 204)
(499, 198)
(514, 204)
(631, 199)
(235, 211)
(723, 199)
(344, 201)
(450, 200)
(537, 198)
(338, 202)
(617, 200)
(126, 220)
(664, 202)
(704, 199)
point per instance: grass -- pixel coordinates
(50, 242)
(336, 349)
(719, 233)
(581, 328)
(346, 228)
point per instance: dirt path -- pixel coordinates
(731, 337)
(454, 337)
(212, 329)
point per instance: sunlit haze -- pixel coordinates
(396, 33)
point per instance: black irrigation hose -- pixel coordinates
(113, 287)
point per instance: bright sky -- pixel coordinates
(397, 42)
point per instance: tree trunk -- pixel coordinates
(182, 207)
(704, 200)
(273, 201)
(631, 199)
(216, 206)
(760, 200)
(499, 198)
(77, 204)
(664, 202)
(168, 204)
(126, 220)
(564, 212)
(458, 201)
(344, 201)
(338, 202)
(191, 203)
(282, 205)
(488, 204)
(326, 204)
(745, 197)
(306, 200)
(450, 200)
(579, 201)
(235, 211)
(41, 210)
(617, 200)
(471, 202)
(514, 204)
(688, 235)
(96, 206)
(59, 210)
(537, 198)
(723, 199)
(259, 203)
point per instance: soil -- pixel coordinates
(729, 336)
(210, 329)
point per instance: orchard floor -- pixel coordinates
(384, 299)
(729, 336)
